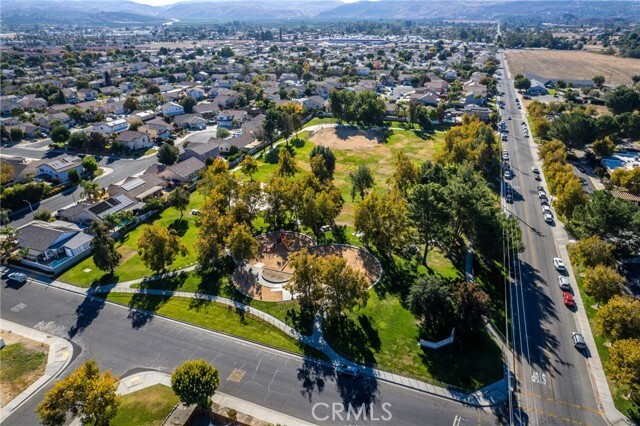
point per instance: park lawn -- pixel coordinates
(419, 147)
(321, 120)
(20, 366)
(131, 266)
(626, 406)
(385, 333)
(215, 317)
(146, 407)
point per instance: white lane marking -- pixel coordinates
(18, 307)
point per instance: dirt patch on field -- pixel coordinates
(348, 138)
(572, 65)
(358, 259)
(9, 389)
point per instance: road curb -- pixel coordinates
(59, 358)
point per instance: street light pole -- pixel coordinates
(29, 205)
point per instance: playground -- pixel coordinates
(265, 276)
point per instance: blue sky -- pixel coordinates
(165, 2)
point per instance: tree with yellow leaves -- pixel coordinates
(86, 393)
(158, 247)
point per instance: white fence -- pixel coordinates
(440, 343)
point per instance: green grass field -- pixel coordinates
(16, 361)
(131, 266)
(626, 406)
(146, 407)
(385, 333)
(214, 317)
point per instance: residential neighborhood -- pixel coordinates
(348, 213)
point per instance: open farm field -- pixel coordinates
(572, 65)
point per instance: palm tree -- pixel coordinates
(91, 190)
(4, 216)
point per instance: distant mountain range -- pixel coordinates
(123, 12)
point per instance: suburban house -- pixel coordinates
(227, 118)
(52, 246)
(195, 92)
(47, 121)
(482, 113)
(133, 140)
(7, 103)
(201, 151)
(207, 109)
(148, 185)
(191, 121)
(85, 214)
(183, 172)
(87, 94)
(437, 85)
(58, 169)
(450, 75)
(312, 103)
(158, 128)
(537, 88)
(171, 108)
(114, 126)
(363, 71)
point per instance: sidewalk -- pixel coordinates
(491, 395)
(60, 355)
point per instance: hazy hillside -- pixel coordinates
(128, 12)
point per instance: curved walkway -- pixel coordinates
(491, 395)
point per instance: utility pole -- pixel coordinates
(30, 207)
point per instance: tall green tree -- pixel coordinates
(287, 166)
(345, 287)
(328, 156)
(90, 165)
(383, 221)
(158, 247)
(361, 181)
(168, 154)
(179, 199)
(188, 103)
(603, 282)
(105, 256)
(306, 281)
(430, 300)
(195, 382)
(429, 212)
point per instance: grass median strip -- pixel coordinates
(146, 407)
(22, 362)
(215, 317)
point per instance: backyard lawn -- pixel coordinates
(146, 407)
(85, 273)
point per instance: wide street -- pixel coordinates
(122, 341)
(553, 381)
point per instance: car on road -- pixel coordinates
(548, 217)
(18, 277)
(540, 188)
(568, 299)
(526, 135)
(578, 341)
(505, 156)
(509, 198)
(538, 178)
(546, 209)
(348, 370)
(563, 282)
(558, 264)
(507, 174)
(581, 169)
(542, 195)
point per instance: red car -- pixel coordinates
(567, 298)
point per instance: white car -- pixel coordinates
(195, 212)
(546, 209)
(18, 277)
(564, 283)
(558, 264)
(542, 195)
(548, 217)
(507, 174)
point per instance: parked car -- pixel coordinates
(540, 188)
(548, 217)
(348, 370)
(18, 277)
(568, 299)
(509, 198)
(558, 264)
(535, 170)
(538, 178)
(542, 195)
(507, 174)
(578, 341)
(563, 282)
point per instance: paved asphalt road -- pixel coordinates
(552, 377)
(123, 341)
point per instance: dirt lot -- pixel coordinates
(359, 260)
(347, 139)
(576, 65)
(17, 380)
